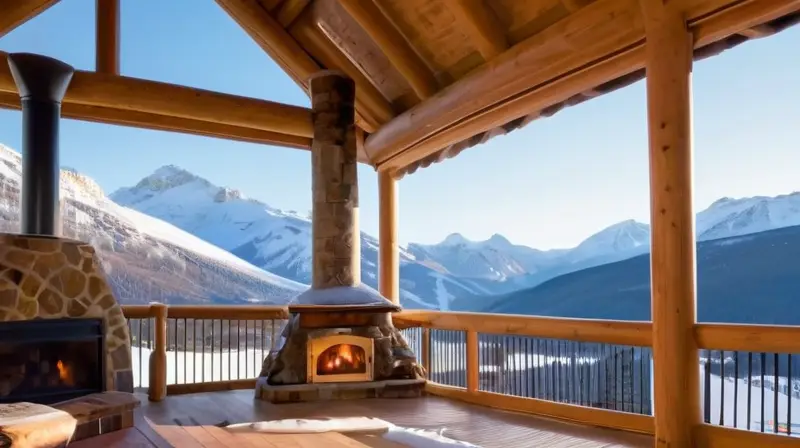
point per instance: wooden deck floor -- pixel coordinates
(481, 426)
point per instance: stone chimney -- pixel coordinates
(336, 247)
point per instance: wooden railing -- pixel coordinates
(587, 371)
(187, 349)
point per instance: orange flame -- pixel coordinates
(65, 373)
(339, 357)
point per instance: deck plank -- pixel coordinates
(461, 421)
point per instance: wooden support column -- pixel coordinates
(107, 37)
(157, 389)
(675, 355)
(389, 251)
(336, 239)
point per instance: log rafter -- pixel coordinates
(123, 100)
(370, 103)
(386, 35)
(542, 71)
(14, 13)
(107, 37)
(481, 25)
(290, 10)
(283, 48)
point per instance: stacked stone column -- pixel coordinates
(336, 243)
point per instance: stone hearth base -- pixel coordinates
(295, 393)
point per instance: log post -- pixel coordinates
(336, 242)
(389, 252)
(107, 36)
(676, 375)
(473, 362)
(157, 389)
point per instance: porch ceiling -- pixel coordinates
(433, 77)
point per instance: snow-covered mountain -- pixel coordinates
(733, 217)
(275, 240)
(145, 258)
(431, 275)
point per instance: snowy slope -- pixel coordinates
(274, 240)
(431, 275)
(145, 258)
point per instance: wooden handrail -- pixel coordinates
(584, 330)
(232, 312)
(249, 312)
(748, 338)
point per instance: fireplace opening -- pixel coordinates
(51, 360)
(342, 359)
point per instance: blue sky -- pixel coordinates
(551, 184)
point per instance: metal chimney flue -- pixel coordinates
(42, 83)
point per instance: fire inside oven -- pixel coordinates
(342, 359)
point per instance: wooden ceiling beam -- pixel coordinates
(14, 13)
(107, 37)
(135, 95)
(481, 25)
(522, 79)
(389, 39)
(290, 10)
(282, 47)
(156, 122)
(373, 106)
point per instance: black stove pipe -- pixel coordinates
(42, 83)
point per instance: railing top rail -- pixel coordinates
(748, 337)
(225, 312)
(585, 330)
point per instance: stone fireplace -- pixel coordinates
(339, 341)
(45, 280)
(65, 357)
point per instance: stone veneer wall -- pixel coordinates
(45, 277)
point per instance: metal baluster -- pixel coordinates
(230, 376)
(175, 334)
(707, 388)
(141, 360)
(789, 390)
(185, 349)
(212, 349)
(722, 387)
(763, 368)
(735, 389)
(776, 386)
(749, 386)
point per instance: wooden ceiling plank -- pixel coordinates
(14, 13)
(428, 127)
(481, 25)
(384, 33)
(139, 95)
(369, 101)
(540, 58)
(107, 41)
(290, 10)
